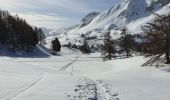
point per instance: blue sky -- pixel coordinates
(55, 14)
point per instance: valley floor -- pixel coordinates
(74, 76)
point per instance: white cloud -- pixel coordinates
(54, 5)
(15, 5)
(70, 5)
(46, 20)
(46, 12)
(51, 13)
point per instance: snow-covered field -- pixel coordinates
(74, 76)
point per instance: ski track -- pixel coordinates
(69, 64)
(101, 90)
(15, 93)
(12, 94)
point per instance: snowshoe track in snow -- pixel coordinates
(88, 89)
(105, 91)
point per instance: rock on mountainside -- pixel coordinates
(88, 19)
(130, 13)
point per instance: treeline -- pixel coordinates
(84, 48)
(122, 47)
(153, 42)
(17, 34)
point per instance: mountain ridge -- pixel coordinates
(130, 13)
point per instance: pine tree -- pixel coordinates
(16, 33)
(56, 46)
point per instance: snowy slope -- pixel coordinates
(130, 13)
(119, 15)
(135, 26)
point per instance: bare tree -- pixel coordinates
(158, 33)
(108, 47)
(126, 42)
(85, 48)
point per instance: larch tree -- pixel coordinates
(126, 42)
(108, 49)
(158, 34)
(85, 48)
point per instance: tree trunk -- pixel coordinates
(167, 49)
(167, 58)
(127, 53)
(110, 56)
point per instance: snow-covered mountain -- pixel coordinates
(130, 13)
(51, 32)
